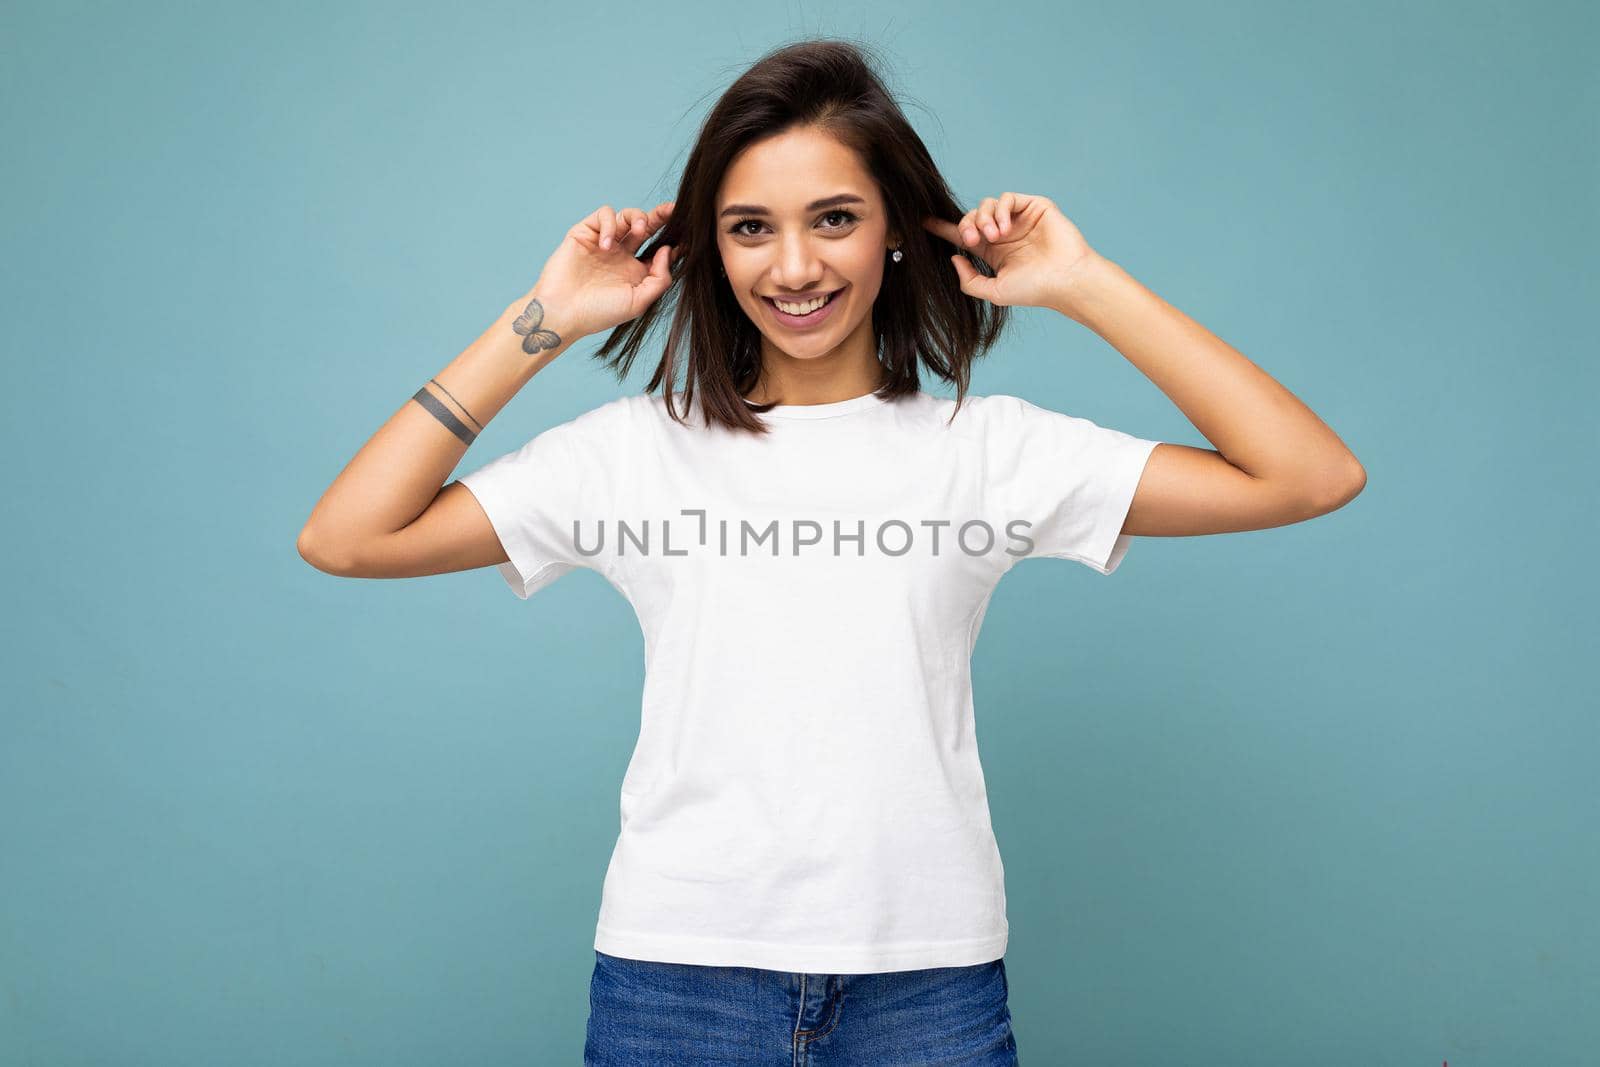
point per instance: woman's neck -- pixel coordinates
(797, 389)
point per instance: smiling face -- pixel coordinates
(799, 216)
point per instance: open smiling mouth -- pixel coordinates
(814, 314)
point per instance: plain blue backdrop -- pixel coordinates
(1320, 794)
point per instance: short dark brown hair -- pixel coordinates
(920, 315)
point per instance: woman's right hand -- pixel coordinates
(593, 282)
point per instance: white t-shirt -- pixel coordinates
(805, 794)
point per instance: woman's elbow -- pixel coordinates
(320, 556)
(1340, 492)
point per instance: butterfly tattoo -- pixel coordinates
(534, 339)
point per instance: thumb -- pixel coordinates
(659, 277)
(972, 283)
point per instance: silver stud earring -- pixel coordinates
(897, 255)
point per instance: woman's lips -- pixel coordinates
(804, 322)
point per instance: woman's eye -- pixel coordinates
(738, 228)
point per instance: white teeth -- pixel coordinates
(802, 309)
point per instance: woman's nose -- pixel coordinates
(797, 267)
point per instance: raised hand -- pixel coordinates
(593, 281)
(1033, 248)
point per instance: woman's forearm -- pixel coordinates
(1252, 420)
(399, 471)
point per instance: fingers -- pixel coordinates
(983, 218)
(656, 280)
(618, 227)
(971, 281)
(596, 230)
(660, 275)
(941, 228)
(969, 229)
(963, 232)
(978, 224)
(644, 224)
(993, 220)
(628, 228)
(625, 228)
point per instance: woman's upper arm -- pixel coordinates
(1186, 490)
(452, 534)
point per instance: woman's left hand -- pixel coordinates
(1034, 249)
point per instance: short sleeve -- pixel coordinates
(1072, 480)
(546, 498)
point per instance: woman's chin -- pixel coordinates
(810, 344)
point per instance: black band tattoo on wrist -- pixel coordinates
(459, 404)
(436, 408)
(534, 340)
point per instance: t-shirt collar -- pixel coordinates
(822, 411)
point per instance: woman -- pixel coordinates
(806, 869)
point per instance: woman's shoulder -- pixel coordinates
(622, 409)
(599, 426)
(975, 410)
(1002, 410)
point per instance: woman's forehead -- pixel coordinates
(788, 172)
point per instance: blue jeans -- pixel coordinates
(644, 1013)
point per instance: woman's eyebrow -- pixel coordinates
(815, 205)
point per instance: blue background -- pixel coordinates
(1320, 794)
